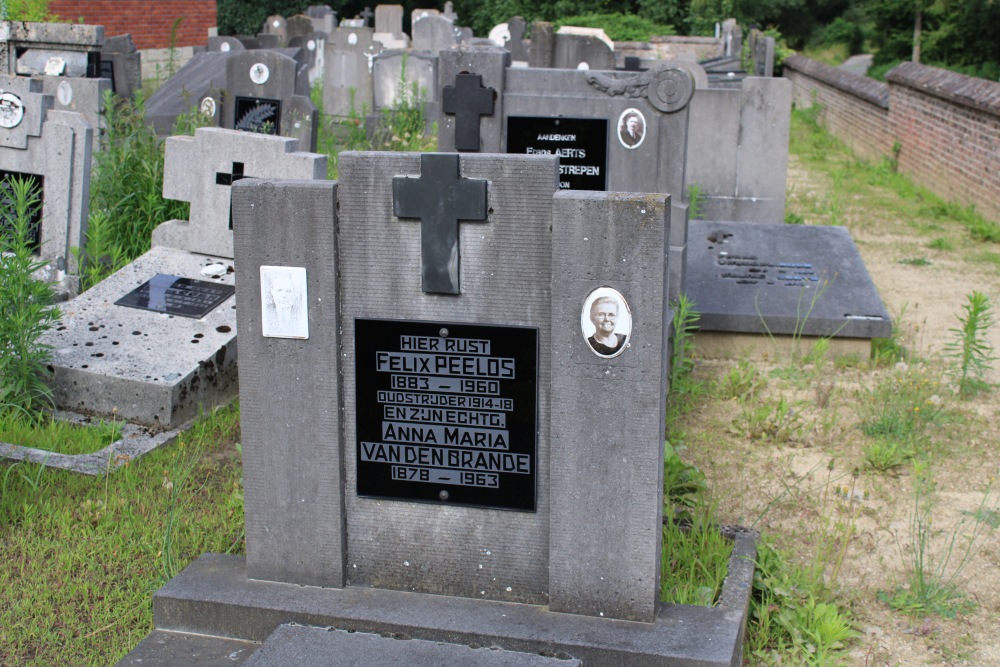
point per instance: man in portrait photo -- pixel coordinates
(604, 315)
(631, 129)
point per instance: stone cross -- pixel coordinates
(222, 178)
(468, 100)
(440, 198)
(366, 16)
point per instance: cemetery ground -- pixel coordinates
(861, 473)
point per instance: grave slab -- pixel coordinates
(178, 649)
(327, 647)
(755, 277)
(140, 366)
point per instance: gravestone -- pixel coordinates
(313, 49)
(389, 19)
(433, 33)
(517, 46)
(782, 280)
(225, 44)
(323, 18)
(431, 465)
(733, 133)
(155, 343)
(583, 48)
(410, 76)
(53, 149)
(199, 84)
(732, 38)
(584, 117)
(261, 97)
(64, 49)
(299, 25)
(278, 27)
(121, 63)
(761, 54)
(347, 79)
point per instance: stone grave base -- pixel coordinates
(726, 345)
(211, 613)
(140, 366)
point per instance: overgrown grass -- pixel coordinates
(52, 435)
(83, 555)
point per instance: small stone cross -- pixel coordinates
(366, 16)
(468, 101)
(222, 178)
(440, 198)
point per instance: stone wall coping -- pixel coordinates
(860, 86)
(683, 39)
(981, 94)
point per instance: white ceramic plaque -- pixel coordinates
(259, 73)
(311, 45)
(583, 66)
(631, 128)
(207, 107)
(55, 66)
(11, 110)
(606, 322)
(224, 47)
(352, 39)
(284, 303)
(64, 93)
(276, 23)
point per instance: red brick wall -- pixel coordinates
(947, 125)
(148, 21)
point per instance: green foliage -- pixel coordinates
(126, 191)
(934, 575)
(775, 421)
(238, 17)
(792, 617)
(619, 27)
(684, 485)
(28, 10)
(26, 310)
(941, 243)
(970, 347)
(848, 33)
(694, 559)
(897, 413)
(886, 454)
(742, 381)
(915, 261)
(83, 555)
(696, 201)
(54, 435)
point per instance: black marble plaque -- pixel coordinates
(258, 114)
(177, 296)
(447, 413)
(35, 212)
(580, 143)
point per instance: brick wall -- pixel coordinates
(148, 21)
(947, 125)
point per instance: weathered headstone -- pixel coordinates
(782, 280)
(152, 344)
(52, 149)
(225, 44)
(433, 33)
(347, 79)
(313, 49)
(389, 19)
(53, 49)
(762, 54)
(298, 26)
(583, 48)
(405, 76)
(199, 84)
(276, 25)
(613, 131)
(431, 464)
(122, 64)
(323, 17)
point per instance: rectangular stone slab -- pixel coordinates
(144, 367)
(781, 279)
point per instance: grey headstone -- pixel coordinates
(313, 49)
(389, 19)
(763, 56)
(771, 277)
(278, 26)
(298, 26)
(225, 44)
(18, 37)
(126, 64)
(57, 146)
(490, 64)
(543, 43)
(348, 75)
(263, 97)
(267, 41)
(79, 95)
(573, 51)
(203, 77)
(399, 75)
(200, 170)
(516, 45)
(433, 33)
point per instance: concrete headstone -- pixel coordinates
(433, 33)
(400, 76)
(122, 64)
(347, 79)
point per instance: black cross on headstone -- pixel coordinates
(440, 197)
(467, 100)
(366, 15)
(222, 178)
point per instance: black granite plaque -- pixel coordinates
(177, 296)
(580, 143)
(35, 212)
(447, 413)
(258, 114)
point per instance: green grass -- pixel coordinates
(695, 560)
(82, 555)
(52, 435)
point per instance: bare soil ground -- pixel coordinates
(807, 483)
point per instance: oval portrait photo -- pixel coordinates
(606, 322)
(631, 128)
